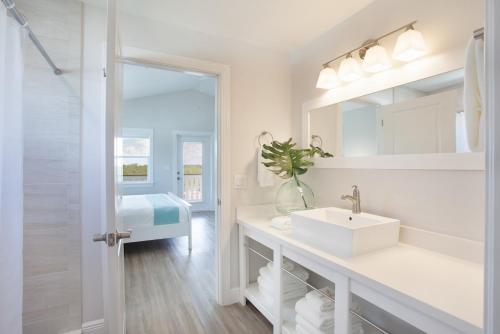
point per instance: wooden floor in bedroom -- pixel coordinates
(170, 291)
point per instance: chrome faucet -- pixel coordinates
(355, 199)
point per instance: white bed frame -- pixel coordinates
(156, 232)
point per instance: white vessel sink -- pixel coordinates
(342, 233)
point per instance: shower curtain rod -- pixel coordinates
(11, 7)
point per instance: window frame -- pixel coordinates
(139, 133)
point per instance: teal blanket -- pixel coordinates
(166, 210)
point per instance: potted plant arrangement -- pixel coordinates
(289, 162)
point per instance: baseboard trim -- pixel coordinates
(232, 297)
(93, 327)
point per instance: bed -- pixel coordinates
(155, 216)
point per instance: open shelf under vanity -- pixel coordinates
(378, 302)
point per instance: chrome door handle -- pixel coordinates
(113, 238)
(123, 235)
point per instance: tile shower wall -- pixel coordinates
(52, 247)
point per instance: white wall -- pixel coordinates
(260, 100)
(189, 111)
(450, 202)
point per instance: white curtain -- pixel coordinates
(11, 175)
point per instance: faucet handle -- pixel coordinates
(355, 187)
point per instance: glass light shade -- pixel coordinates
(376, 59)
(327, 78)
(409, 46)
(350, 70)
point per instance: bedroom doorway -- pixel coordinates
(168, 182)
(194, 176)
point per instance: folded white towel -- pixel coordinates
(266, 286)
(265, 177)
(357, 328)
(281, 223)
(287, 265)
(289, 283)
(320, 320)
(267, 300)
(303, 327)
(288, 310)
(308, 328)
(318, 302)
(294, 269)
(288, 330)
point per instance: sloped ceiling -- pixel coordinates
(276, 24)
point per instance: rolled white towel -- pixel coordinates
(320, 320)
(308, 328)
(318, 302)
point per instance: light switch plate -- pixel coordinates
(240, 181)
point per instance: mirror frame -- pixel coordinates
(424, 68)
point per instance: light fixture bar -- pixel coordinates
(406, 26)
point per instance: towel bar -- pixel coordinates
(356, 314)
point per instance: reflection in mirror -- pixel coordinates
(420, 117)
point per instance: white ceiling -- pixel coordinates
(278, 24)
(140, 81)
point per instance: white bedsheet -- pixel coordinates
(136, 210)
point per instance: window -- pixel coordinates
(134, 154)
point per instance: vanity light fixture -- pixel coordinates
(376, 59)
(409, 46)
(327, 78)
(349, 69)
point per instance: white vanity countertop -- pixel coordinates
(447, 288)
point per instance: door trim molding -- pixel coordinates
(492, 234)
(131, 55)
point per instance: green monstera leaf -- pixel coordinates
(286, 161)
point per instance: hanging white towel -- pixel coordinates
(265, 177)
(474, 94)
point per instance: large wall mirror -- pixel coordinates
(420, 121)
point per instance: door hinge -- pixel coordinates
(382, 122)
(104, 74)
(219, 202)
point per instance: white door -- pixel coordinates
(423, 125)
(112, 232)
(194, 171)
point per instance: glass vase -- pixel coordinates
(294, 195)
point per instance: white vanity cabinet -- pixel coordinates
(432, 292)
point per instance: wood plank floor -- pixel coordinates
(171, 291)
